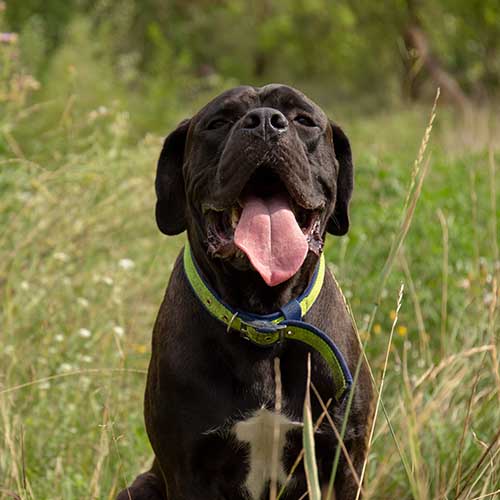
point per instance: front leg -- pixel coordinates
(346, 484)
(188, 422)
(208, 466)
(146, 486)
(151, 486)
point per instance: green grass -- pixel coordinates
(83, 270)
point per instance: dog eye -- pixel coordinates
(217, 123)
(305, 120)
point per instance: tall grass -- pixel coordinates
(83, 269)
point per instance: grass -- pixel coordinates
(83, 270)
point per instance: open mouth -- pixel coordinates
(265, 228)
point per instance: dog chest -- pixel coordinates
(265, 434)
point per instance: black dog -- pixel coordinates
(257, 178)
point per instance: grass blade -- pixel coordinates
(382, 380)
(310, 465)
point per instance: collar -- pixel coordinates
(269, 329)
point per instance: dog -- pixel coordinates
(256, 178)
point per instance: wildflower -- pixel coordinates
(96, 113)
(27, 82)
(107, 280)
(402, 330)
(392, 315)
(61, 256)
(83, 302)
(84, 333)
(87, 359)
(119, 330)
(126, 264)
(488, 298)
(377, 329)
(59, 337)
(465, 283)
(85, 382)
(44, 385)
(150, 139)
(24, 285)
(65, 367)
(140, 348)
(10, 38)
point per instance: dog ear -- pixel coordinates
(169, 183)
(339, 221)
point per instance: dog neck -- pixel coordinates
(246, 290)
(268, 330)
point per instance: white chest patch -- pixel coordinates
(259, 432)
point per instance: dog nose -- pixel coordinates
(265, 122)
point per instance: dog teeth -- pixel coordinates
(235, 217)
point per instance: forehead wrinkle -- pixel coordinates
(291, 102)
(230, 101)
(288, 97)
(235, 104)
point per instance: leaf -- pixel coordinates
(310, 465)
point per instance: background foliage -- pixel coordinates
(342, 50)
(88, 88)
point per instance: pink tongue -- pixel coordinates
(271, 238)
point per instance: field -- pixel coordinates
(83, 270)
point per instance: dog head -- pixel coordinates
(257, 177)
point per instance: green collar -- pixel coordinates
(267, 330)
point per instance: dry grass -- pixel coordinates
(83, 269)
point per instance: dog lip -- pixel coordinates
(212, 207)
(225, 201)
(222, 206)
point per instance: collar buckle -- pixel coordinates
(262, 333)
